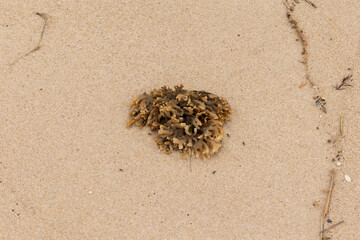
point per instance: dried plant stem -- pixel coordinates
(342, 221)
(344, 83)
(303, 84)
(311, 3)
(300, 34)
(322, 222)
(327, 204)
(45, 17)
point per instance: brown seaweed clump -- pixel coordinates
(185, 120)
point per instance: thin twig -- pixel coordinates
(327, 204)
(312, 4)
(344, 83)
(342, 221)
(45, 17)
(322, 221)
(303, 84)
(326, 208)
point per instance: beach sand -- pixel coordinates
(70, 169)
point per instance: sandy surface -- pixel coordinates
(70, 169)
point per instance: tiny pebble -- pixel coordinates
(90, 192)
(338, 163)
(347, 178)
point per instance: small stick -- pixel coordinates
(45, 17)
(322, 221)
(341, 125)
(342, 221)
(303, 84)
(312, 4)
(326, 208)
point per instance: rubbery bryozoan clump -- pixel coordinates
(185, 120)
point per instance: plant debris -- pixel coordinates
(320, 102)
(342, 221)
(303, 84)
(326, 208)
(45, 17)
(327, 203)
(344, 83)
(311, 3)
(301, 36)
(185, 120)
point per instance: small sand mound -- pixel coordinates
(185, 120)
